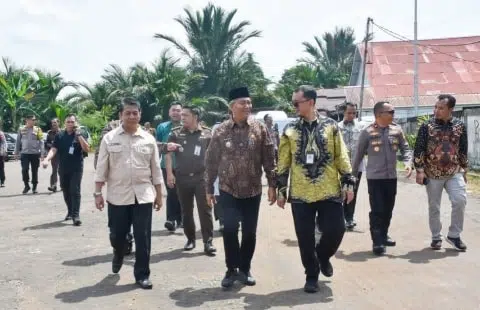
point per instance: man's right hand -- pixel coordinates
(99, 202)
(170, 180)
(419, 177)
(173, 147)
(45, 164)
(211, 200)
(281, 202)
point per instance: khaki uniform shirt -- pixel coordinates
(130, 165)
(190, 158)
(381, 144)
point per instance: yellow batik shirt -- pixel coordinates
(315, 158)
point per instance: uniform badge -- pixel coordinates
(376, 149)
(228, 144)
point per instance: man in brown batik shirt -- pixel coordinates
(237, 152)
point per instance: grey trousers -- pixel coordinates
(457, 193)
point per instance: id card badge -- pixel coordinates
(71, 150)
(197, 150)
(310, 158)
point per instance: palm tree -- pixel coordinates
(213, 39)
(332, 56)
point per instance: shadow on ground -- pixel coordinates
(192, 298)
(129, 260)
(29, 194)
(106, 287)
(423, 256)
(56, 224)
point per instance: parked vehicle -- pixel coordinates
(11, 144)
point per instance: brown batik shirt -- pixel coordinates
(236, 155)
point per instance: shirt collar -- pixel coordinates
(442, 122)
(185, 130)
(231, 123)
(140, 132)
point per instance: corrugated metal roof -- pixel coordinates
(329, 98)
(443, 68)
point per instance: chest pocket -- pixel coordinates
(375, 144)
(394, 142)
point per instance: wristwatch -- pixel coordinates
(97, 194)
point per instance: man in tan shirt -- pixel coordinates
(129, 162)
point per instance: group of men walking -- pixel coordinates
(316, 165)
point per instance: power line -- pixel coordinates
(405, 39)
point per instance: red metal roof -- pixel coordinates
(445, 66)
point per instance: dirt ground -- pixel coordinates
(49, 264)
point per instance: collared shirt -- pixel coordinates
(314, 154)
(191, 157)
(381, 144)
(50, 138)
(69, 152)
(163, 131)
(274, 136)
(30, 141)
(351, 132)
(441, 148)
(236, 155)
(130, 164)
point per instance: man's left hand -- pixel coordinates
(272, 195)
(350, 196)
(157, 205)
(408, 170)
(465, 177)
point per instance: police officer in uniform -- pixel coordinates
(30, 146)
(191, 141)
(380, 141)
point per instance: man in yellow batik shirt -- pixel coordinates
(312, 153)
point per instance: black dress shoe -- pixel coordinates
(379, 250)
(326, 268)
(190, 245)
(146, 284)
(26, 189)
(350, 225)
(311, 286)
(230, 277)
(53, 188)
(117, 261)
(34, 189)
(170, 226)
(2, 184)
(246, 278)
(390, 242)
(68, 217)
(209, 248)
(76, 221)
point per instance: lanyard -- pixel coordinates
(312, 147)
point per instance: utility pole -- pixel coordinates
(415, 63)
(365, 51)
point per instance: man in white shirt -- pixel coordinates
(129, 162)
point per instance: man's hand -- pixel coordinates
(173, 147)
(211, 200)
(99, 202)
(281, 202)
(272, 195)
(419, 177)
(408, 169)
(350, 196)
(45, 164)
(157, 205)
(465, 177)
(170, 180)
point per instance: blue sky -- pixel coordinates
(81, 37)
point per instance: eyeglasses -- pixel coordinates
(296, 103)
(391, 112)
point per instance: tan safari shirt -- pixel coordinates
(130, 165)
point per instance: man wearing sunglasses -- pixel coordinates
(313, 155)
(381, 141)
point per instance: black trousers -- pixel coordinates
(218, 211)
(382, 200)
(26, 161)
(328, 215)
(54, 175)
(120, 218)
(174, 209)
(239, 255)
(71, 187)
(350, 207)
(187, 190)
(2, 169)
